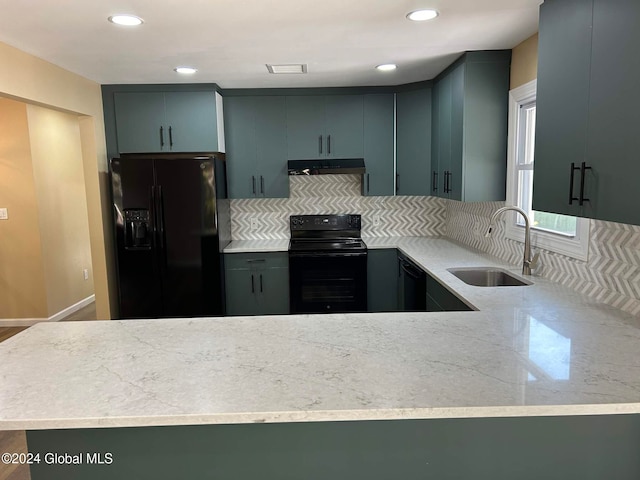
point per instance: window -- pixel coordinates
(558, 233)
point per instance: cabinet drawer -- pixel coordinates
(246, 261)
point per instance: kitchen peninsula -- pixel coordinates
(539, 382)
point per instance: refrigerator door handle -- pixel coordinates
(160, 215)
(153, 214)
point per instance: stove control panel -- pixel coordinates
(325, 222)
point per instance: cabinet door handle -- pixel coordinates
(447, 181)
(260, 283)
(170, 136)
(571, 175)
(368, 183)
(261, 184)
(253, 182)
(328, 144)
(397, 183)
(161, 137)
(583, 169)
(320, 144)
(253, 290)
(434, 181)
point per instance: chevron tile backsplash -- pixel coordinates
(610, 275)
(325, 194)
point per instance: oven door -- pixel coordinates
(328, 282)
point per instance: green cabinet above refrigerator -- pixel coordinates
(181, 121)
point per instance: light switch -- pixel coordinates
(4, 214)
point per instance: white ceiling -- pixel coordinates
(230, 41)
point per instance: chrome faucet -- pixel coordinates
(528, 263)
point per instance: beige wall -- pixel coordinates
(524, 62)
(28, 78)
(22, 283)
(56, 155)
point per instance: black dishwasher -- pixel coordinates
(412, 286)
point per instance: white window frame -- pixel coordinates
(575, 247)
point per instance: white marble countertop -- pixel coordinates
(249, 246)
(535, 350)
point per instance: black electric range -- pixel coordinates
(327, 264)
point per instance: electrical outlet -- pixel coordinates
(4, 214)
(376, 220)
(254, 223)
(85, 273)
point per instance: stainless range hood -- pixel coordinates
(353, 166)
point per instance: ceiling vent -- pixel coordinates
(288, 68)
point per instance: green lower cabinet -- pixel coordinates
(585, 447)
(439, 299)
(257, 284)
(272, 286)
(382, 280)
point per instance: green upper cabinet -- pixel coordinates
(441, 147)
(413, 142)
(256, 144)
(321, 126)
(379, 146)
(470, 128)
(344, 120)
(167, 121)
(564, 44)
(587, 109)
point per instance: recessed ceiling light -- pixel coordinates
(185, 70)
(387, 67)
(127, 20)
(422, 15)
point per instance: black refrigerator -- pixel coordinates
(171, 222)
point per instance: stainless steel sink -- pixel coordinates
(488, 277)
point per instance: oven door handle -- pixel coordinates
(326, 255)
